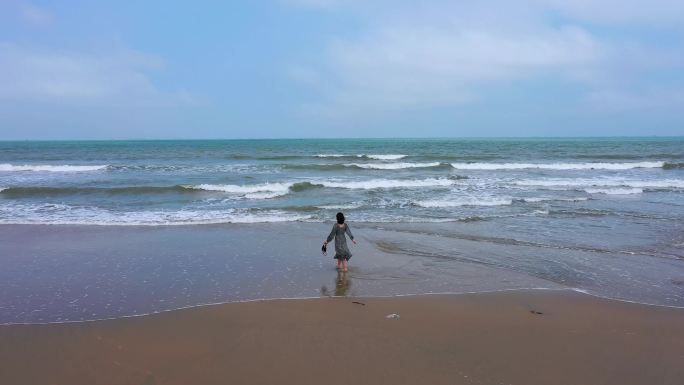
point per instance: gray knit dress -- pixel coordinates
(341, 249)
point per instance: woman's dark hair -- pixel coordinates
(340, 218)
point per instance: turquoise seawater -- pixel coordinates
(186, 182)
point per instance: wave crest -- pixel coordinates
(393, 166)
(272, 190)
(367, 156)
(261, 191)
(389, 183)
(556, 166)
(615, 182)
(385, 156)
(464, 202)
(614, 191)
(80, 215)
(52, 168)
(57, 191)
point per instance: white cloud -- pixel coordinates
(439, 53)
(40, 75)
(410, 67)
(419, 65)
(459, 55)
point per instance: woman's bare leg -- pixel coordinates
(344, 265)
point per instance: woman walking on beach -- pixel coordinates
(338, 231)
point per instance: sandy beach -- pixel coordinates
(512, 337)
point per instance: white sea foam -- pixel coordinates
(77, 215)
(666, 183)
(469, 201)
(556, 166)
(260, 191)
(547, 199)
(614, 191)
(369, 156)
(392, 166)
(491, 201)
(264, 195)
(387, 183)
(349, 206)
(385, 156)
(603, 182)
(273, 190)
(51, 168)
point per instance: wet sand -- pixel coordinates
(516, 337)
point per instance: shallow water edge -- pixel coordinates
(75, 273)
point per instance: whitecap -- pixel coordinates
(349, 206)
(51, 168)
(387, 183)
(273, 190)
(384, 156)
(556, 166)
(80, 215)
(614, 191)
(602, 182)
(369, 156)
(392, 166)
(465, 202)
(261, 191)
(548, 199)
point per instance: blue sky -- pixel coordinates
(331, 68)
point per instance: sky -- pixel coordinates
(335, 69)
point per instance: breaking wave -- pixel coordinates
(614, 191)
(260, 191)
(51, 168)
(604, 182)
(385, 156)
(19, 192)
(272, 190)
(490, 201)
(367, 156)
(78, 215)
(389, 183)
(393, 166)
(464, 202)
(557, 166)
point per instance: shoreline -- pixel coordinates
(519, 336)
(363, 297)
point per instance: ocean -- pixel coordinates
(245, 181)
(602, 215)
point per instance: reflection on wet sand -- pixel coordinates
(343, 285)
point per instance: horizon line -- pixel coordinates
(350, 138)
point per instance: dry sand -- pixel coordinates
(521, 337)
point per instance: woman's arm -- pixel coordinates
(348, 231)
(332, 235)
